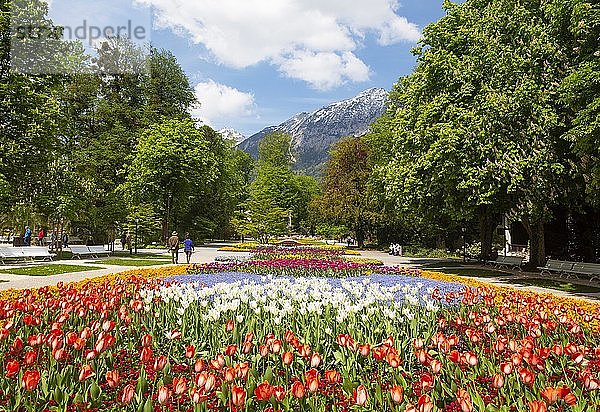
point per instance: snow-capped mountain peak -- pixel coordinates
(314, 133)
(232, 134)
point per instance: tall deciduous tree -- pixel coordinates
(476, 130)
(172, 163)
(346, 198)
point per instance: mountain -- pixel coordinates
(232, 134)
(314, 133)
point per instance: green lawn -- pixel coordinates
(46, 270)
(125, 254)
(134, 262)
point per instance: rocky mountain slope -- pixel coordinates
(314, 133)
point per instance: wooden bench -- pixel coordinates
(508, 262)
(590, 271)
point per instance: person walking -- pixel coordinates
(188, 247)
(128, 241)
(123, 240)
(173, 245)
(40, 237)
(65, 239)
(27, 236)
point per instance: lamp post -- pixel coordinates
(137, 219)
(464, 230)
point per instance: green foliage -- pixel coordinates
(346, 199)
(275, 149)
(172, 165)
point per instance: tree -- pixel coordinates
(476, 130)
(346, 194)
(261, 219)
(172, 163)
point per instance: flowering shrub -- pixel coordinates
(162, 339)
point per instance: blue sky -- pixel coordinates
(256, 63)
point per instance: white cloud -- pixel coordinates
(288, 33)
(219, 103)
(325, 70)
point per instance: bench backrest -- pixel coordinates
(501, 259)
(97, 249)
(77, 249)
(592, 268)
(516, 260)
(37, 251)
(559, 264)
(7, 252)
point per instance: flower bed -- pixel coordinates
(221, 340)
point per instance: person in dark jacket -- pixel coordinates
(173, 245)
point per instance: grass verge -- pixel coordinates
(47, 270)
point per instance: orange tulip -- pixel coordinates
(179, 385)
(287, 358)
(315, 360)
(190, 351)
(298, 390)
(498, 381)
(333, 376)
(537, 406)
(229, 325)
(279, 393)
(85, 373)
(464, 400)
(112, 378)
(397, 393)
(424, 404)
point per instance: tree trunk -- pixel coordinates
(440, 241)
(360, 235)
(487, 224)
(537, 243)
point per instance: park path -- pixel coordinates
(208, 253)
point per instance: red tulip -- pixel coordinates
(426, 382)
(12, 368)
(190, 351)
(312, 380)
(30, 357)
(30, 380)
(276, 346)
(298, 390)
(230, 350)
(263, 391)
(424, 404)
(506, 367)
(397, 393)
(242, 369)
(147, 340)
(498, 381)
(179, 385)
(359, 395)
(238, 395)
(174, 334)
(85, 373)
(199, 366)
(364, 350)
(160, 362)
(146, 354)
(229, 325)
(112, 378)
(163, 394)
(279, 393)
(127, 394)
(527, 376)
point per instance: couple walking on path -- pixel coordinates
(173, 245)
